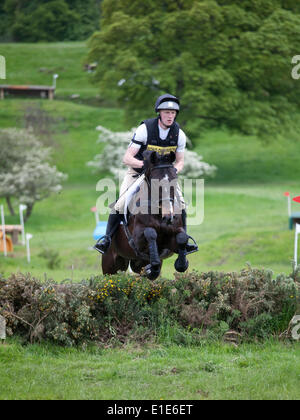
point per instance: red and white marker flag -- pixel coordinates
(297, 199)
(94, 210)
(287, 194)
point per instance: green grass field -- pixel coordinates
(268, 371)
(245, 220)
(239, 226)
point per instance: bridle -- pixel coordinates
(148, 180)
(160, 166)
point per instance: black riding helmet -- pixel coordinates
(167, 101)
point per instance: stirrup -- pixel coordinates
(98, 244)
(193, 247)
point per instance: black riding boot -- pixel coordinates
(189, 247)
(113, 222)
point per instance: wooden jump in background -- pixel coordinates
(37, 91)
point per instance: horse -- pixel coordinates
(145, 239)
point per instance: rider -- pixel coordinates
(161, 134)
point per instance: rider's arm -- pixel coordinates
(179, 164)
(130, 160)
(139, 138)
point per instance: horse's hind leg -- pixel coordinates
(112, 263)
(181, 263)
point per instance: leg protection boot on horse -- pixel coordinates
(113, 222)
(189, 247)
(181, 264)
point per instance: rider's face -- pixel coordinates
(167, 117)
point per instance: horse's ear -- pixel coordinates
(172, 157)
(146, 154)
(154, 157)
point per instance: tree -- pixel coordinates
(53, 21)
(229, 61)
(49, 20)
(25, 173)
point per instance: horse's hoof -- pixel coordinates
(152, 272)
(153, 276)
(181, 267)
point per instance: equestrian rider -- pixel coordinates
(161, 134)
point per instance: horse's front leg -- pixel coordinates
(181, 264)
(153, 269)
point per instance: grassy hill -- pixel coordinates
(245, 159)
(245, 210)
(37, 63)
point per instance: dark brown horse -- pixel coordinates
(145, 239)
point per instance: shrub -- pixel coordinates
(250, 302)
(191, 307)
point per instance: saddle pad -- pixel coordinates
(132, 191)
